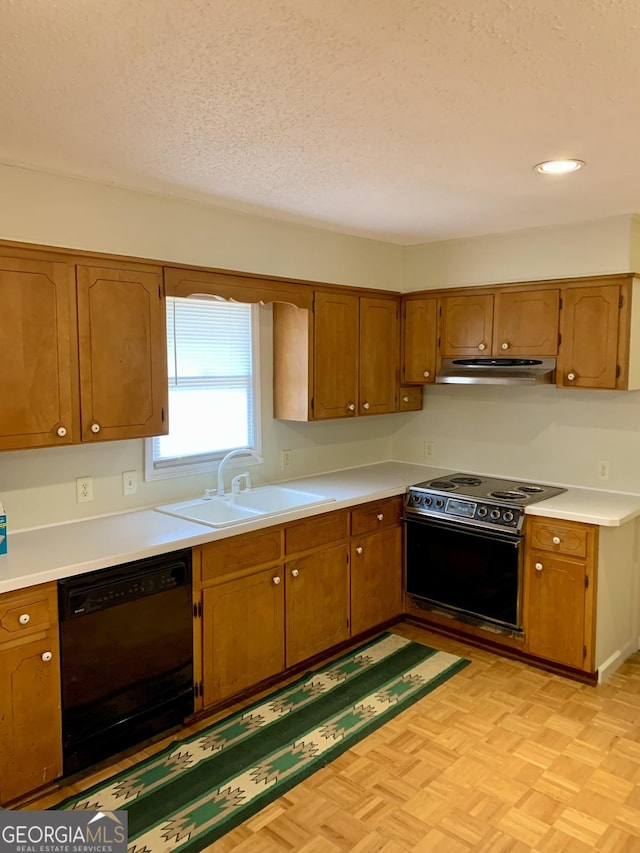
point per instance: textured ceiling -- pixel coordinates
(407, 121)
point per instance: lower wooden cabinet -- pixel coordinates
(269, 600)
(560, 584)
(318, 596)
(242, 633)
(30, 716)
(376, 579)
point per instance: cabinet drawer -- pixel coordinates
(376, 515)
(249, 550)
(565, 537)
(24, 613)
(316, 531)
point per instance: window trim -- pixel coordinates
(211, 462)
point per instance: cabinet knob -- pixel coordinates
(359, 549)
(426, 374)
(504, 345)
(351, 407)
(366, 406)
(571, 376)
(275, 580)
(380, 516)
(24, 619)
(62, 431)
(556, 540)
(46, 656)
(294, 573)
(405, 399)
(95, 427)
(538, 567)
(482, 347)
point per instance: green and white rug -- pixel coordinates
(197, 789)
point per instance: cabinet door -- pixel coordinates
(526, 323)
(38, 333)
(419, 338)
(589, 329)
(317, 595)
(30, 720)
(243, 633)
(466, 325)
(379, 356)
(122, 346)
(335, 355)
(376, 579)
(555, 606)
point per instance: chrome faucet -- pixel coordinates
(241, 451)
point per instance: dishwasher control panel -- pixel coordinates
(108, 588)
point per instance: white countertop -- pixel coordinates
(63, 550)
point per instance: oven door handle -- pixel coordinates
(467, 530)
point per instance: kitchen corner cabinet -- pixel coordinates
(419, 334)
(376, 564)
(30, 699)
(560, 590)
(339, 360)
(518, 323)
(84, 351)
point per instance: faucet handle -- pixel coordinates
(235, 483)
(208, 494)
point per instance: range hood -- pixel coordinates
(497, 371)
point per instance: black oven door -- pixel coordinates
(473, 574)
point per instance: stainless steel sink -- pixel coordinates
(263, 501)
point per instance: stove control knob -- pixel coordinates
(439, 502)
(415, 499)
(508, 516)
(428, 501)
(482, 511)
(495, 513)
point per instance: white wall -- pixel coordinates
(587, 248)
(38, 486)
(538, 433)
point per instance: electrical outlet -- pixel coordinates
(129, 482)
(603, 470)
(429, 451)
(285, 460)
(84, 489)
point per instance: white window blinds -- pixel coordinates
(211, 360)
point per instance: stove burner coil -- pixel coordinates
(466, 481)
(508, 496)
(443, 485)
(531, 490)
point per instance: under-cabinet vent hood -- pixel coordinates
(497, 371)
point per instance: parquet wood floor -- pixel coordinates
(501, 758)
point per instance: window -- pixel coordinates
(212, 358)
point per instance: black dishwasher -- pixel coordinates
(126, 656)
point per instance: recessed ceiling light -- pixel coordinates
(559, 167)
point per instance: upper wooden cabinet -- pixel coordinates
(84, 352)
(38, 382)
(465, 325)
(525, 323)
(522, 323)
(594, 352)
(339, 360)
(122, 349)
(419, 334)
